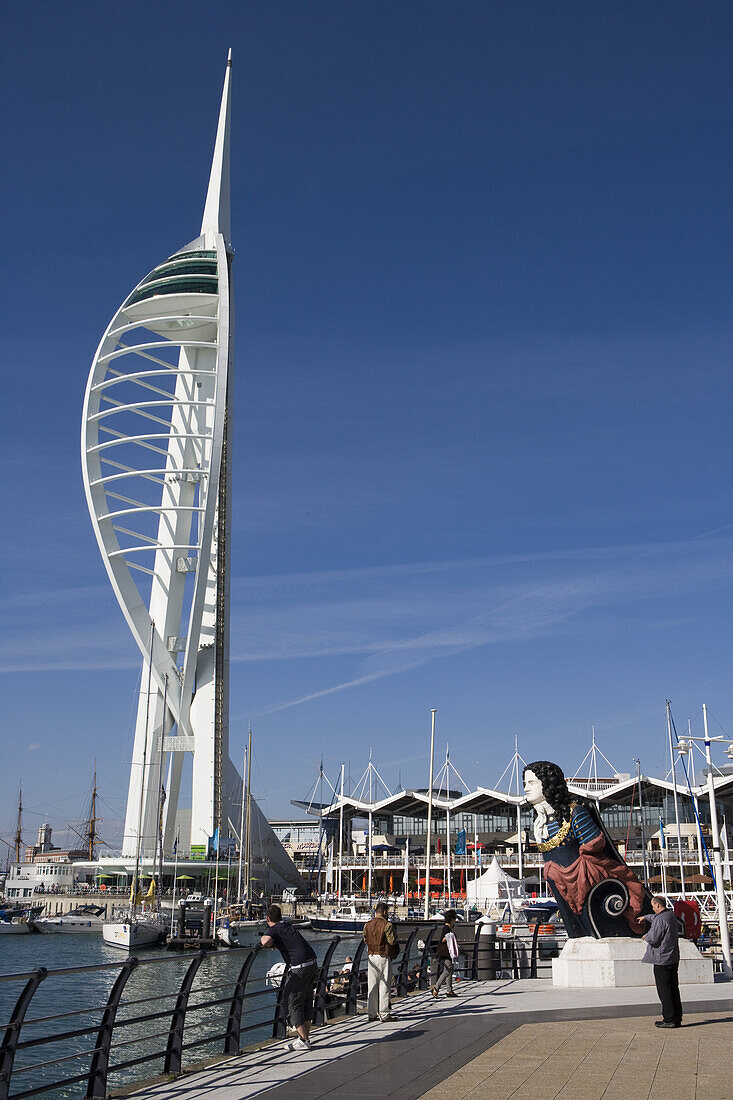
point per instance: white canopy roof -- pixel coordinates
(493, 885)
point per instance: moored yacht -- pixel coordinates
(17, 922)
(135, 930)
(347, 919)
(234, 930)
(84, 918)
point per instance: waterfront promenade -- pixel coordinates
(498, 1040)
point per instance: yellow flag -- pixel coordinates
(136, 898)
(150, 896)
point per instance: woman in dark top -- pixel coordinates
(443, 963)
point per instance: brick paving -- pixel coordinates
(622, 1059)
(497, 1040)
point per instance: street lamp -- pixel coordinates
(683, 748)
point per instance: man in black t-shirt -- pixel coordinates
(301, 975)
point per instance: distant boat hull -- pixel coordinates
(338, 924)
(15, 928)
(83, 919)
(69, 924)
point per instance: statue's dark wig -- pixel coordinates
(554, 787)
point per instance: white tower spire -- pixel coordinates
(156, 473)
(216, 217)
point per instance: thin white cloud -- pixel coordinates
(393, 617)
(533, 610)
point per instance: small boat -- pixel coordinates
(84, 918)
(144, 930)
(14, 922)
(347, 919)
(235, 931)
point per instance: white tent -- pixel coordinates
(493, 886)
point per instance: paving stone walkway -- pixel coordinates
(497, 1040)
(625, 1059)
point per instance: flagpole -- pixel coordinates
(430, 816)
(674, 791)
(216, 880)
(475, 846)
(341, 834)
(719, 884)
(447, 848)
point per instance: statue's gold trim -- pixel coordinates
(561, 835)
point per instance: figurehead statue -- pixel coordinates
(597, 894)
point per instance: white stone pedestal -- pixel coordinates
(587, 963)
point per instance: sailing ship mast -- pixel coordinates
(18, 838)
(92, 835)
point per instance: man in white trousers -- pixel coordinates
(382, 946)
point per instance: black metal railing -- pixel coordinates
(227, 1011)
(119, 1035)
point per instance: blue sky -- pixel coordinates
(483, 375)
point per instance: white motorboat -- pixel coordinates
(143, 930)
(347, 919)
(84, 918)
(240, 933)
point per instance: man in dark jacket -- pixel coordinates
(664, 952)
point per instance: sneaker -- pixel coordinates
(298, 1044)
(387, 1019)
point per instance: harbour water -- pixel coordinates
(89, 991)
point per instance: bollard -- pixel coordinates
(181, 920)
(486, 952)
(206, 930)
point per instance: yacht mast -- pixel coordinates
(241, 829)
(136, 875)
(249, 818)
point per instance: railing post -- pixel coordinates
(319, 1000)
(12, 1032)
(97, 1083)
(352, 990)
(231, 1042)
(422, 982)
(279, 1020)
(476, 946)
(174, 1047)
(405, 964)
(535, 939)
